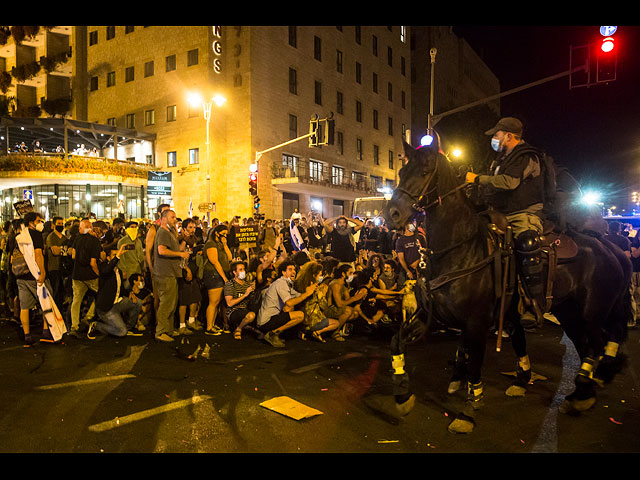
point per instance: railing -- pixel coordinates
(59, 163)
(318, 173)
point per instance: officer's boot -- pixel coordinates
(530, 265)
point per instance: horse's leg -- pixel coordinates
(612, 361)
(519, 342)
(476, 343)
(459, 373)
(404, 399)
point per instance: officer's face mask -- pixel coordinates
(495, 144)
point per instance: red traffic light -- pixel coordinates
(253, 177)
(607, 45)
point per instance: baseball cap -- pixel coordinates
(507, 124)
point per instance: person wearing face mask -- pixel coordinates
(27, 283)
(236, 294)
(407, 248)
(132, 259)
(56, 246)
(340, 302)
(515, 186)
(86, 252)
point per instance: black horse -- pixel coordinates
(590, 294)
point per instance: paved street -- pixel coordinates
(136, 395)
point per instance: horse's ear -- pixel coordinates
(408, 149)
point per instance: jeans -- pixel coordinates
(120, 319)
(80, 287)
(167, 288)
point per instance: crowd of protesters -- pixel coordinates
(303, 277)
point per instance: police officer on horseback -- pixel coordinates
(514, 187)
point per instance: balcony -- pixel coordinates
(304, 176)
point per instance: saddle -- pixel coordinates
(556, 247)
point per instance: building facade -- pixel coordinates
(274, 80)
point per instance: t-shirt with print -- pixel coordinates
(236, 290)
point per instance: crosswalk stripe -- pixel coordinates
(89, 381)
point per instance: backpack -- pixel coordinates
(547, 172)
(19, 265)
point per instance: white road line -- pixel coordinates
(254, 357)
(134, 417)
(89, 381)
(332, 361)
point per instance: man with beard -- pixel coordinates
(341, 237)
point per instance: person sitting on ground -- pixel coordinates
(277, 312)
(315, 318)
(236, 294)
(340, 301)
(117, 313)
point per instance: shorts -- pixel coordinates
(212, 279)
(28, 293)
(236, 316)
(275, 322)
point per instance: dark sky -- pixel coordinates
(594, 131)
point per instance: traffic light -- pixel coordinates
(314, 125)
(253, 183)
(256, 203)
(329, 131)
(322, 131)
(607, 56)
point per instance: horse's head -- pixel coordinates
(416, 179)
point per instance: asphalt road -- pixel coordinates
(134, 395)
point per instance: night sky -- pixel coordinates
(594, 131)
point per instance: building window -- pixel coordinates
(317, 92)
(340, 103)
(358, 32)
(192, 57)
(358, 72)
(337, 175)
(194, 156)
(376, 183)
(293, 37)
(374, 45)
(111, 32)
(403, 99)
(148, 69)
(194, 110)
(111, 121)
(111, 79)
(340, 143)
(317, 48)
(403, 67)
(129, 29)
(376, 155)
(172, 159)
(170, 63)
(93, 84)
(359, 148)
(315, 170)
(390, 159)
(338, 61)
(149, 117)
(131, 120)
(375, 119)
(93, 37)
(390, 92)
(403, 34)
(129, 74)
(358, 111)
(390, 56)
(293, 81)
(290, 163)
(375, 82)
(293, 127)
(171, 113)
(391, 126)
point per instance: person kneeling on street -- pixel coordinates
(277, 312)
(236, 294)
(116, 311)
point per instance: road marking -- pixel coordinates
(89, 381)
(134, 417)
(253, 357)
(332, 361)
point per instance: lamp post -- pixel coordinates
(219, 100)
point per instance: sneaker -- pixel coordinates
(173, 333)
(273, 339)
(185, 331)
(93, 333)
(28, 341)
(194, 326)
(46, 336)
(134, 332)
(163, 337)
(74, 332)
(140, 327)
(213, 331)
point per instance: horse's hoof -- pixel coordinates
(454, 386)
(515, 391)
(462, 424)
(574, 406)
(404, 408)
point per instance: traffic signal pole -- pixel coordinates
(435, 119)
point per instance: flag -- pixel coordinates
(296, 239)
(190, 209)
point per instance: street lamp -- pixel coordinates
(195, 100)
